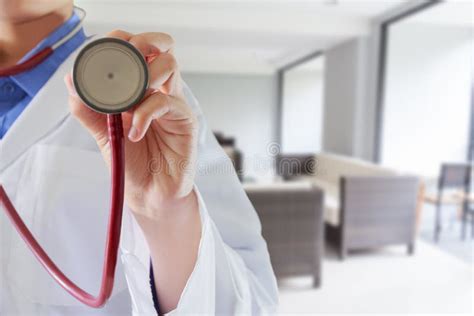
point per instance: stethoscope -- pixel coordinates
(110, 76)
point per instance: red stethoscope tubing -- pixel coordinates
(37, 58)
(116, 139)
(31, 62)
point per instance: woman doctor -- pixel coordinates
(191, 240)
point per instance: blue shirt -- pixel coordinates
(17, 91)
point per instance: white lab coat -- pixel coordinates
(52, 171)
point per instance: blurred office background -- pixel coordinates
(351, 126)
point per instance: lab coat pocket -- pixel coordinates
(63, 198)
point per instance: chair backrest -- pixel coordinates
(455, 175)
(289, 166)
(332, 167)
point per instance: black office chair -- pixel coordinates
(452, 176)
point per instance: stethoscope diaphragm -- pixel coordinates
(110, 75)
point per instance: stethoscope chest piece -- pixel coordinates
(110, 75)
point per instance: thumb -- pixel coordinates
(95, 123)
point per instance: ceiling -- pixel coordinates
(246, 36)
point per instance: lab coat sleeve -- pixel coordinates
(232, 274)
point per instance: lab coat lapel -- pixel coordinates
(45, 111)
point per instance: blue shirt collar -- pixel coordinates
(31, 81)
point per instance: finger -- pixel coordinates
(156, 106)
(162, 73)
(126, 36)
(94, 122)
(146, 43)
(153, 107)
(159, 47)
(144, 47)
(152, 43)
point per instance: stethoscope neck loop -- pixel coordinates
(113, 231)
(28, 64)
(40, 56)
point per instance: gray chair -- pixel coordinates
(376, 211)
(375, 206)
(452, 176)
(292, 225)
(292, 166)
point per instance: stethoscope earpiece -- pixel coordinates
(110, 75)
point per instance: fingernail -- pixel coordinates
(133, 134)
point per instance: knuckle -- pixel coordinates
(173, 62)
(156, 101)
(140, 119)
(141, 114)
(146, 112)
(170, 61)
(160, 98)
(138, 43)
(168, 38)
(118, 32)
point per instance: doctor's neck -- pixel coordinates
(21, 31)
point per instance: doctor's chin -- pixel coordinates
(221, 157)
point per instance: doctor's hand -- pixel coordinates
(162, 132)
(160, 154)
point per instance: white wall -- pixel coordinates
(302, 111)
(241, 106)
(344, 99)
(427, 98)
